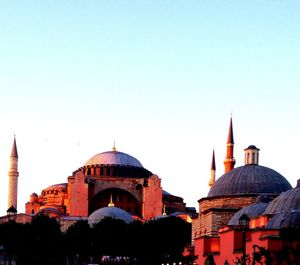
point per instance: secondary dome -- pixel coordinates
(250, 179)
(110, 211)
(252, 211)
(113, 158)
(289, 219)
(285, 202)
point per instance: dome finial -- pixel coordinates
(114, 147)
(111, 203)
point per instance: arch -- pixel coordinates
(121, 199)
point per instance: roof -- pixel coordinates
(250, 179)
(14, 150)
(166, 193)
(252, 211)
(57, 186)
(113, 158)
(253, 147)
(213, 162)
(289, 219)
(230, 133)
(285, 202)
(110, 211)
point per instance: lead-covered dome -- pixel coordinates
(250, 179)
(287, 201)
(110, 211)
(113, 158)
(290, 219)
(252, 211)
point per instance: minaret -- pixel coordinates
(229, 161)
(212, 171)
(13, 175)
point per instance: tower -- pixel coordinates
(229, 161)
(212, 171)
(13, 175)
(251, 155)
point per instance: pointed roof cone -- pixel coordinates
(230, 133)
(11, 210)
(213, 163)
(14, 150)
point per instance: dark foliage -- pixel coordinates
(37, 243)
(111, 241)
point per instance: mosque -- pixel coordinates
(243, 212)
(110, 183)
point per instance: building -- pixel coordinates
(251, 191)
(106, 177)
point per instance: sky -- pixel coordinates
(160, 78)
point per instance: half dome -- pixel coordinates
(289, 219)
(250, 179)
(252, 211)
(113, 158)
(285, 202)
(112, 212)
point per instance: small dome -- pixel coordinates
(57, 186)
(289, 219)
(253, 147)
(285, 202)
(250, 180)
(113, 158)
(162, 216)
(113, 212)
(34, 197)
(252, 211)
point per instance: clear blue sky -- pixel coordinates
(161, 78)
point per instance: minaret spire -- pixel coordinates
(230, 133)
(229, 161)
(14, 150)
(13, 175)
(212, 171)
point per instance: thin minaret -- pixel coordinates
(212, 171)
(13, 175)
(229, 161)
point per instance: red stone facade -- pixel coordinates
(229, 244)
(214, 213)
(85, 193)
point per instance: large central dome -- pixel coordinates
(113, 158)
(250, 179)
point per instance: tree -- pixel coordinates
(47, 241)
(165, 239)
(78, 243)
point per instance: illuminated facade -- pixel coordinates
(111, 175)
(250, 190)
